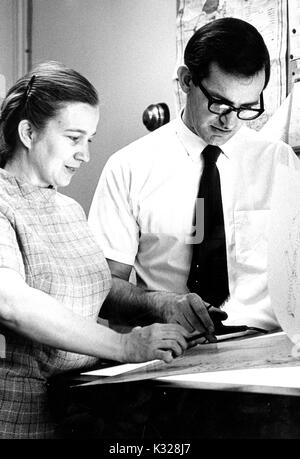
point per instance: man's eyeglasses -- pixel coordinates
(219, 107)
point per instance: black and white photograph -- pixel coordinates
(149, 223)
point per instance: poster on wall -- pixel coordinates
(268, 16)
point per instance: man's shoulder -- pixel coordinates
(149, 146)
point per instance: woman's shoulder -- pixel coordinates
(68, 204)
(8, 195)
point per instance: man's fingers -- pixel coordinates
(217, 313)
(194, 342)
(201, 311)
(188, 318)
(185, 322)
(194, 318)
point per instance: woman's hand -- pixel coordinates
(157, 341)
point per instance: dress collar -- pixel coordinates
(31, 192)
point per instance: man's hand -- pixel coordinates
(130, 305)
(191, 312)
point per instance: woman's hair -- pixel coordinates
(37, 97)
(235, 45)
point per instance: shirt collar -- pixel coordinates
(235, 142)
(194, 145)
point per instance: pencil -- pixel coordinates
(196, 336)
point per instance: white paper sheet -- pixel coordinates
(272, 377)
(124, 368)
(118, 369)
(284, 251)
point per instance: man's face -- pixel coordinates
(235, 90)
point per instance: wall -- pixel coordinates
(127, 48)
(7, 17)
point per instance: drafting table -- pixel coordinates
(248, 386)
(257, 364)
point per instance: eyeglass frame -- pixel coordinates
(231, 108)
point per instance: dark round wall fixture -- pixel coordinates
(156, 115)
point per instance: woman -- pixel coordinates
(53, 276)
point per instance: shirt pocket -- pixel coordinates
(251, 237)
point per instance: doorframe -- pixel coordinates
(22, 37)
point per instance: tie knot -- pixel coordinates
(211, 154)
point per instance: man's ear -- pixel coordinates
(25, 132)
(185, 78)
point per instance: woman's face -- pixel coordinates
(58, 150)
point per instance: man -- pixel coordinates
(143, 209)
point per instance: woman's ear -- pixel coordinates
(25, 132)
(185, 78)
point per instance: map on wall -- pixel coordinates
(268, 16)
(284, 251)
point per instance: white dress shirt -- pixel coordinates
(143, 208)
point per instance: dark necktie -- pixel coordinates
(208, 275)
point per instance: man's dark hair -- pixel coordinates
(235, 45)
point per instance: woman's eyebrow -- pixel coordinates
(81, 131)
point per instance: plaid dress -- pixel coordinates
(44, 236)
